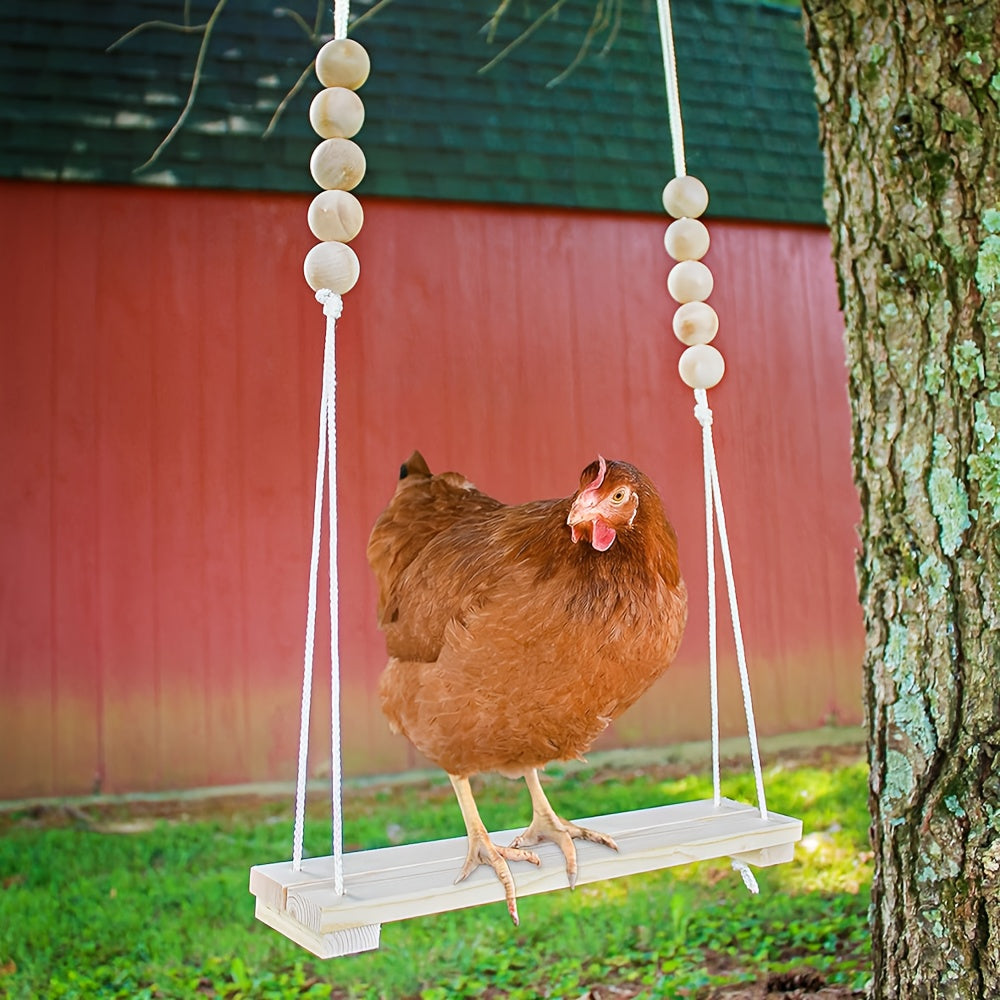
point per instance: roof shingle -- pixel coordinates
(436, 126)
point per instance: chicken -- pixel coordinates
(516, 634)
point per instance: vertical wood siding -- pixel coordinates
(159, 383)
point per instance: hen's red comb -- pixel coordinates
(602, 471)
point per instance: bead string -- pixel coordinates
(331, 269)
(701, 366)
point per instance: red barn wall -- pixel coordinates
(159, 385)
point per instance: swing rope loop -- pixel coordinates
(332, 309)
(715, 518)
(713, 504)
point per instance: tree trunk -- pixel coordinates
(908, 100)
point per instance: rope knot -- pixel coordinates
(702, 411)
(333, 304)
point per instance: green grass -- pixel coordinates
(89, 911)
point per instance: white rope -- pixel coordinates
(704, 415)
(341, 15)
(298, 831)
(332, 307)
(673, 91)
(747, 875)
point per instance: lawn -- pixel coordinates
(150, 901)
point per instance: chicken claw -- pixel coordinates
(546, 825)
(482, 851)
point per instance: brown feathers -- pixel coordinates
(517, 633)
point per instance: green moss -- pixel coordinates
(984, 463)
(909, 714)
(984, 429)
(899, 781)
(954, 806)
(933, 377)
(991, 220)
(936, 577)
(914, 461)
(895, 647)
(949, 499)
(988, 265)
(888, 310)
(969, 364)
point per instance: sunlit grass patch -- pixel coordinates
(90, 910)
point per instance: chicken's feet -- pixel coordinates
(547, 825)
(482, 850)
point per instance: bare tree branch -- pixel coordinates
(184, 29)
(297, 18)
(598, 24)
(193, 92)
(607, 18)
(524, 36)
(280, 109)
(371, 12)
(495, 20)
(616, 27)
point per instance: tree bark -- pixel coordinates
(908, 97)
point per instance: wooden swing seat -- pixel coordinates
(414, 880)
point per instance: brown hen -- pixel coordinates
(516, 634)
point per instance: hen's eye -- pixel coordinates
(619, 495)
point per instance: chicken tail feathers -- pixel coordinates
(415, 465)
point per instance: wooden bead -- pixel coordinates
(336, 113)
(690, 281)
(336, 215)
(332, 265)
(686, 239)
(701, 366)
(695, 323)
(342, 63)
(337, 164)
(685, 197)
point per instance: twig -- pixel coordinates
(193, 92)
(495, 20)
(597, 25)
(616, 28)
(524, 36)
(297, 18)
(184, 29)
(279, 110)
(371, 12)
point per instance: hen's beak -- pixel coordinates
(585, 523)
(581, 514)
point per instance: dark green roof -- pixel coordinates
(437, 127)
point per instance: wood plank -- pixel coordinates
(334, 945)
(398, 883)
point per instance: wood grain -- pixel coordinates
(414, 880)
